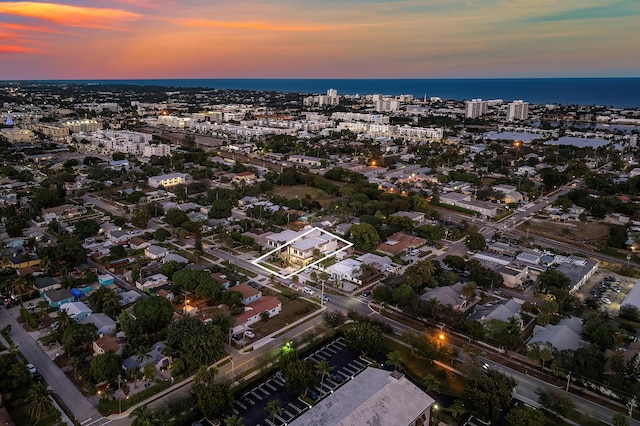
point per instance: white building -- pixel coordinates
(517, 110)
(157, 150)
(167, 180)
(475, 108)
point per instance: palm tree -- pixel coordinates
(323, 369)
(274, 409)
(64, 320)
(233, 421)
(457, 408)
(111, 304)
(396, 360)
(431, 383)
(143, 417)
(38, 401)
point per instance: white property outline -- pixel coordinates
(279, 275)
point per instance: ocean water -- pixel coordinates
(615, 92)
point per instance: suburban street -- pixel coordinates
(83, 410)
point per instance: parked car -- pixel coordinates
(606, 300)
(280, 376)
(253, 284)
(31, 368)
(312, 394)
(249, 334)
(336, 378)
(237, 337)
(610, 279)
(366, 293)
(38, 377)
(615, 288)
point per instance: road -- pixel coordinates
(528, 385)
(109, 207)
(80, 406)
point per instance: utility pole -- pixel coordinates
(568, 381)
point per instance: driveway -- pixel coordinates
(81, 408)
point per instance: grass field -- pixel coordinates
(301, 191)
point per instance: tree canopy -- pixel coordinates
(196, 343)
(105, 367)
(487, 395)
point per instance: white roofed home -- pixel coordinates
(303, 247)
(348, 269)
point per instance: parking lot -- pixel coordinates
(608, 289)
(251, 404)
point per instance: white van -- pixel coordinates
(308, 291)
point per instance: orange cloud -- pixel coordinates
(66, 15)
(260, 26)
(16, 49)
(30, 28)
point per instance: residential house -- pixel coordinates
(302, 248)
(155, 252)
(108, 342)
(103, 323)
(154, 281)
(566, 335)
(155, 356)
(106, 279)
(348, 269)
(57, 297)
(129, 297)
(175, 258)
(252, 313)
(76, 310)
(137, 243)
(246, 178)
(44, 284)
(249, 294)
(399, 242)
(447, 295)
(417, 217)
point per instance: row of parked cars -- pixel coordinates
(602, 290)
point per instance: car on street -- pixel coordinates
(325, 298)
(249, 334)
(31, 368)
(366, 293)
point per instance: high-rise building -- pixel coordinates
(9, 120)
(332, 92)
(518, 110)
(475, 108)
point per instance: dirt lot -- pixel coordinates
(301, 191)
(570, 232)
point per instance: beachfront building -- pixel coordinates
(517, 110)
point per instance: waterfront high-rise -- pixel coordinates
(518, 110)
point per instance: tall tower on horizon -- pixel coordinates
(518, 110)
(9, 119)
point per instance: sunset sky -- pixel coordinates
(129, 39)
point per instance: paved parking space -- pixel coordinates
(251, 403)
